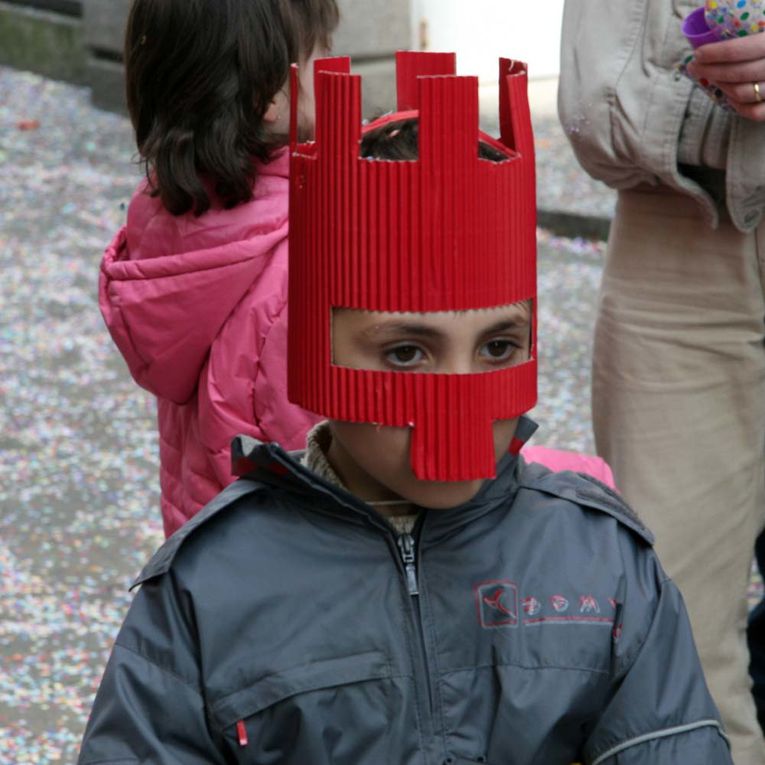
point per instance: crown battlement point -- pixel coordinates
(419, 75)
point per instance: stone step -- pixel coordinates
(44, 36)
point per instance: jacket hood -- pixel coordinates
(169, 283)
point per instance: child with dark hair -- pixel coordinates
(408, 590)
(193, 288)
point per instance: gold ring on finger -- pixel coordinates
(757, 95)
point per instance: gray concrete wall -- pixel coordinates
(370, 31)
(44, 36)
(81, 41)
(104, 33)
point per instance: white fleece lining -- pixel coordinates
(660, 734)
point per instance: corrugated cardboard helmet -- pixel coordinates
(447, 232)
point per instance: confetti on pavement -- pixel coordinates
(78, 470)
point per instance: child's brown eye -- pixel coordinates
(404, 355)
(498, 350)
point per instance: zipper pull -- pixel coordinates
(241, 733)
(406, 547)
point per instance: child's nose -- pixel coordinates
(458, 364)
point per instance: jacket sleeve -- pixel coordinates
(149, 707)
(661, 712)
(621, 102)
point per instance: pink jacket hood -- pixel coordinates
(168, 283)
(198, 308)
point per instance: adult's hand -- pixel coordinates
(735, 66)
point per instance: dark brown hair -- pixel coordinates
(399, 140)
(200, 75)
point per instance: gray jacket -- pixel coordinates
(287, 624)
(631, 116)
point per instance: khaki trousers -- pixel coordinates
(678, 403)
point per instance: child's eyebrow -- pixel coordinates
(413, 329)
(402, 328)
(505, 324)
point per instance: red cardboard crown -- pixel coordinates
(447, 232)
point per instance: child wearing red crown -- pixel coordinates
(408, 590)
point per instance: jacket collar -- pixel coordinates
(268, 463)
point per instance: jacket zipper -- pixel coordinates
(408, 551)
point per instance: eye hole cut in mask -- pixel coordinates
(452, 367)
(474, 341)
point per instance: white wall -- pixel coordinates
(481, 31)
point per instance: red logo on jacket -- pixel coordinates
(497, 603)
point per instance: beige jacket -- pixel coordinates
(631, 116)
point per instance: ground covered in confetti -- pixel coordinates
(78, 468)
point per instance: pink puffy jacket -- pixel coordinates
(198, 308)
